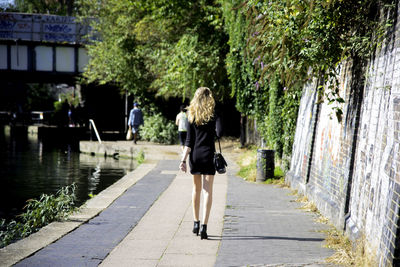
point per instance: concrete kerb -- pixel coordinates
(128, 150)
(21, 249)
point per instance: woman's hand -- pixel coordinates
(182, 166)
(185, 153)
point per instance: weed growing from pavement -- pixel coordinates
(248, 164)
(310, 207)
(307, 205)
(301, 198)
(140, 157)
(279, 178)
(322, 219)
(276, 181)
(346, 253)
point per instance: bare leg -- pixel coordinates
(134, 137)
(208, 181)
(196, 196)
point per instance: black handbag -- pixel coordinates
(219, 161)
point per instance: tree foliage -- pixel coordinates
(167, 48)
(53, 7)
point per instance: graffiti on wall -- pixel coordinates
(304, 129)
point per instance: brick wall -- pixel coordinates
(351, 169)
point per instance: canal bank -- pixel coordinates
(127, 149)
(31, 166)
(50, 133)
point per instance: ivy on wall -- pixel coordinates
(276, 47)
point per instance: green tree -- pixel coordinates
(167, 48)
(53, 7)
(114, 56)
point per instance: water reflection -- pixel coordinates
(30, 167)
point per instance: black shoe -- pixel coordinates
(203, 232)
(196, 227)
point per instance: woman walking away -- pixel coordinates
(204, 125)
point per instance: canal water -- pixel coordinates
(30, 167)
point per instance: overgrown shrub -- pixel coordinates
(158, 129)
(38, 213)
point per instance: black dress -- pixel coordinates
(201, 140)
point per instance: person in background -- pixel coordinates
(135, 120)
(204, 126)
(182, 123)
(70, 117)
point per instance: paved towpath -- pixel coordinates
(145, 219)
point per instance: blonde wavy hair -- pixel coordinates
(201, 108)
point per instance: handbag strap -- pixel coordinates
(219, 144)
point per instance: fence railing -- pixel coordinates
(92, 124)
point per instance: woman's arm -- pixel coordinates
(188, 145)
(185, 153)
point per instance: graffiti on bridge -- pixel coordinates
(58, 37)
(34, 27)
(55, 28)
(6, 25)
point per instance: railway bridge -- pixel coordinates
(42, 48)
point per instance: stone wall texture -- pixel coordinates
(351, 169)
